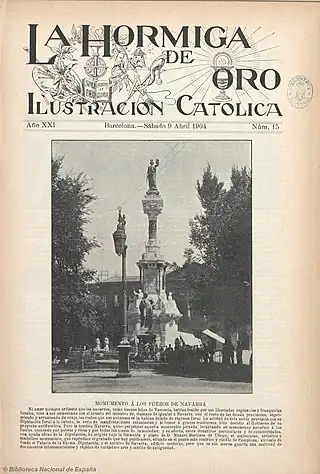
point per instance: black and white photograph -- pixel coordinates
(151, 266)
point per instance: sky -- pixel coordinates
(117, 174)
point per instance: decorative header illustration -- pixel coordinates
(143, 70)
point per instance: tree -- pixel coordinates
(74, 308)
(221, 238)
(222, 233)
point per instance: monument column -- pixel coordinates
(152, 228)
(152, 263)
(162, 323)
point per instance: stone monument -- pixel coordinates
(98, 345)
(151, 312)
(106, 344)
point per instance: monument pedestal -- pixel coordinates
(164, 329)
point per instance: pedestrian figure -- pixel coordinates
(239, 350)
(228, 352)
(162, 354)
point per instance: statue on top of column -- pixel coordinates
(121, 219)
(151, 178)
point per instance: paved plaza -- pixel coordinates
(101, 381)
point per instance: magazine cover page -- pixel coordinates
(159, 192)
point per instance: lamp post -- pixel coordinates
(124, 347)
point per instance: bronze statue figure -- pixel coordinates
(151, 177)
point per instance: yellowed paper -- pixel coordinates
(280, 144)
